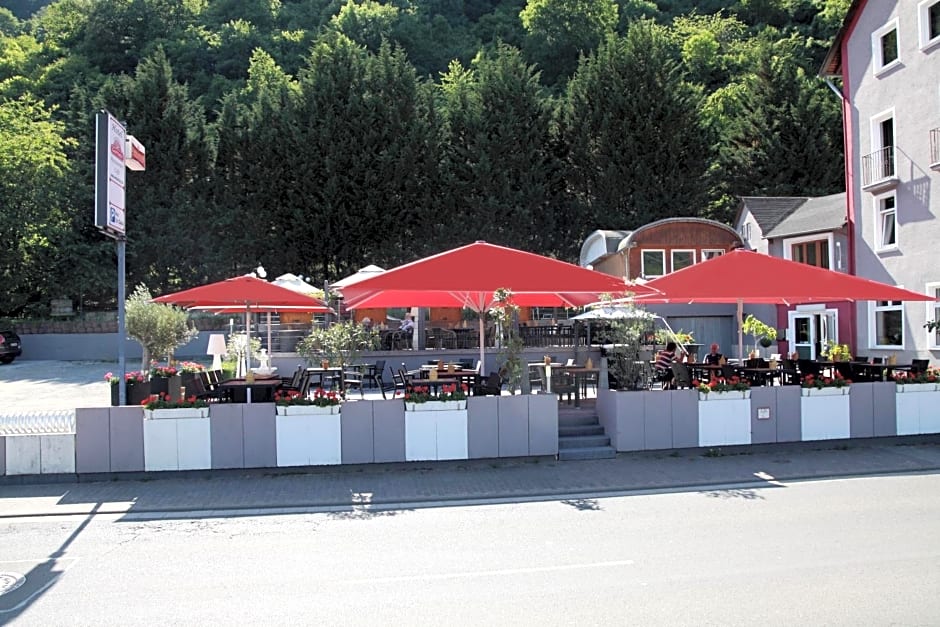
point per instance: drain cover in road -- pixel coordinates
(10, 582)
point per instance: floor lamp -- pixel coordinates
(216, 349)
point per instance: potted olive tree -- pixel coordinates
(340, 343)
(764, 334)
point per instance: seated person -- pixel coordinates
(367, 323)
(713, 358)
(663, 365)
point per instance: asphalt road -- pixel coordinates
(45, 385)
(861, 551)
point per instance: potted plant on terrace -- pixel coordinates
(163, 406)
(420, 398)
(292, 402)
(923, 381)
(720, 388)
(764, 334)
(825, 386)
(164, 380)
(138, 388)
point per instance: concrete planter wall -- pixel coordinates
(918, 409)
(824, 415)
(434, 432)
(310, 438)
(724, 422)
(177, 439)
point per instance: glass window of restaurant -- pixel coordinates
(886, 329)
(654, 263)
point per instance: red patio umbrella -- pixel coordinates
(469, 275)
(244, 293)
(744, 276)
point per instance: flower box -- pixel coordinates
(436, 406)
(825, 416)
(136, 393)
(176, 413)
(308, 410)
(308, 439)
(177, 439)
(830, 391)
(908, 388)
(438, 433)
(729, 395)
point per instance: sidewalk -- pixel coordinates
(414, 485)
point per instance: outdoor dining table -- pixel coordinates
(329, 372)
(877, 372)
(765, 375)
(240, 390)
(703, 371)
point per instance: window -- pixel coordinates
(654, 263)
(812, 253)
(888, 324)
(886, 222)
(884, 43)
(929, 18)
(682, 259)
(933, 313)
(711, 253)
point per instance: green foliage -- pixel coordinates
(763, 333)
(504, 311)
(159, 328)
(341, 343)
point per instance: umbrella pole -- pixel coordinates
(740, 330)
(482, 344)
(269, 335)
(247, 339)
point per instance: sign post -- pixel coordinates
(115, 151)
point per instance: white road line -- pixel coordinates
(486, 573)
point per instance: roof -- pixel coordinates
(769, 211)
(631, 237)
(832, 64)
(825, 213)
(611, 239)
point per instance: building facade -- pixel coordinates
(887, 56)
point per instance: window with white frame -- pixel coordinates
(928, 13)
(886, 222)
(711, 253)
(682, 259)
(887, 324)
(654, 263)
(813, 250)
(884, 44)
(933, 313)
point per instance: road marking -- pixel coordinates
(487, 573)
(66, 563)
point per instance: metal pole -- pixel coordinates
(122, 367)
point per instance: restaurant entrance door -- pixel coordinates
(811, 330)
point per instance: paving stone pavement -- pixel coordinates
(740, 471)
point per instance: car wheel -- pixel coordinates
(6, 360)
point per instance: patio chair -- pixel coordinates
(563, 384)
(536, 374)
(491, 386)
(919, 365)
(374, 375)
(293, 382)
(352, 380)
(788, 373)
(807, 366)
(681, 377)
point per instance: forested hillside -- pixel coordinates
(318, 136)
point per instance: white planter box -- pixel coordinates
(731, 395)
(436, 406)
(181, 412)
(825, 416)
(177, 441)
(308, 410)
(911, 388)
(436, 434)
(843, 391)
(725, 423)
(308, 439)
(917, 412)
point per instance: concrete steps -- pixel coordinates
(581, 436)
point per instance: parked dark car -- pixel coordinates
(10, 347)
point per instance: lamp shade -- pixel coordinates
(216, 349)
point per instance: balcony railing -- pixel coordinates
(878, 169)
(935, 149)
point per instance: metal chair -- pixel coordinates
(681, 376)
(919, 365)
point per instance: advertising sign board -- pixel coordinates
(110, 139)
